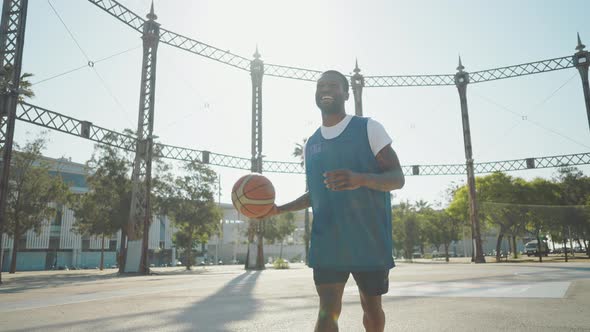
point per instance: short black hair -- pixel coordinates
(344, 79)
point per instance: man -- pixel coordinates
(351, 168)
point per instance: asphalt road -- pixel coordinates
(422, 297)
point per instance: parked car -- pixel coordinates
(562, 250)
(532, 248)
(580, 250)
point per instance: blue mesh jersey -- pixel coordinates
(352, 228)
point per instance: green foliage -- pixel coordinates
(104, 209)
(280, 264)
(33, 192)
(24, 86)
(416, 225)
(405, 229)
(277, 228)
(189, 201)
(517, 207)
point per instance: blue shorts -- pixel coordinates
(372, 283)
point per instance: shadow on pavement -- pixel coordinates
(232, 303)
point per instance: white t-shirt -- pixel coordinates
(378, 137)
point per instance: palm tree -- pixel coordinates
(25, 84)
(299, 151)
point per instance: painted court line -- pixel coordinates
(505, 289)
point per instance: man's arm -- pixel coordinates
(296, 205)
(390, 178)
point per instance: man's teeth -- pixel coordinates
(327, 98)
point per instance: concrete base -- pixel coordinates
(133, 259)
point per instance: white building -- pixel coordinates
(58, 246)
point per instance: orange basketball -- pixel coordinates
(253, 195)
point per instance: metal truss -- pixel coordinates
(65, 124)
(202, 49)
(410, 80)
(11, 49)
(522, 69)
(501, 166)
(282, 167)
(291, 72)
(206, 157)
(121, 13)
(171, 38)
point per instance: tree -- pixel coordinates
(500, 196)
(277, 229)
(31, 190)
(442, 229)
(25, 84)
(575, 190)
(104, 209)
(299, 151)
(422, 210)
(192, 208)
(542, 193)
(405, 229)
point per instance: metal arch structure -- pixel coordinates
(84, 129)
(12, 40)
(45, 118)
(256, 261)
(357, 82)
(171, 38)
(140, 216)
(521, 69)
(461, 81)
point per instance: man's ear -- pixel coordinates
(346, 96)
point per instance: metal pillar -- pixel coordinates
(12, 41)
(136, 258)
(257, 72)
(358, 82)
(461, 81)
(582, 60)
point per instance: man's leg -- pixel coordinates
(373, 317)
(330, 287)
(330, 307)
(371, 286)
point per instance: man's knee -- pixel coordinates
(372, 305)
(330, 299)
(374, 317)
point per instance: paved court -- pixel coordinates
(423, 297)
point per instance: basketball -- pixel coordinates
(253, 195)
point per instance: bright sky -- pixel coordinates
(205, 105)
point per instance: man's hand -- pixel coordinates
(342, 179)
(273, 212)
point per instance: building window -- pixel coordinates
(113, 245)
(85, 244)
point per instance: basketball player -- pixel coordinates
(351, 169)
